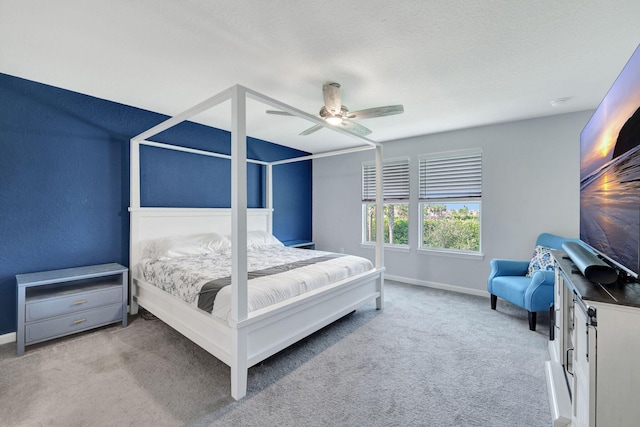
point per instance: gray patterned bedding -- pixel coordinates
(276, 273)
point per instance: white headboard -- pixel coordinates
(154, 223)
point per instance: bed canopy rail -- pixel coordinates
(238, 95)
(240, 323)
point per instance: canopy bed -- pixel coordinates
(247, 332)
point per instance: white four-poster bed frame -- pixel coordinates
(247, 338)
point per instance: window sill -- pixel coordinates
(392, 248)
(452, 254)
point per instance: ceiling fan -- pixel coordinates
(337, 114)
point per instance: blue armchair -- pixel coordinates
(508, 281)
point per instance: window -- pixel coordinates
(395, 183)
(450, 195)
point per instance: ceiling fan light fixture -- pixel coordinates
(336, 114)
(335, 120)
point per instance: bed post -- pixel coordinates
(134, 203)
(239, 364)
(239, 294)
(269, 198)
(379, 226)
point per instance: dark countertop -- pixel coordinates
(619, 293)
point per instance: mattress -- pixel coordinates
(276, 273)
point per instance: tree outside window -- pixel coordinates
(452, 226)
(396, 223)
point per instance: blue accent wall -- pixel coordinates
(64, 180)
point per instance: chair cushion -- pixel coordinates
(511, 288)
(541, 260)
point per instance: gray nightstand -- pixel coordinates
(56, 303)
(304, 245)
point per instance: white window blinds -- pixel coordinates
(452, 175)
(395, 180)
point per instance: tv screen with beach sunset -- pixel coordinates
(610, 172)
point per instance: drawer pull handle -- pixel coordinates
(75, 322)
(82, 301)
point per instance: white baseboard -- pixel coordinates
(436, 285)
(7, 338)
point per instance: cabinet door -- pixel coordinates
(584, 362)
(618, 370)
(557, 343)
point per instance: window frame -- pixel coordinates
(465, 188)
(397, 191)
(365, 218)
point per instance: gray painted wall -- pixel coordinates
(530, 185)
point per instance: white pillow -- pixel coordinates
(261, 239)
(179, 246)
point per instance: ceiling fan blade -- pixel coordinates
(279, 113)
(355, 128)
(312, 129)
(369, 113)
(331, 96)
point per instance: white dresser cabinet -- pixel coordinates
(595, 352)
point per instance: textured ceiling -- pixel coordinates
(453, 64)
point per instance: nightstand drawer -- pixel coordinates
(72, 323)
(79, 301)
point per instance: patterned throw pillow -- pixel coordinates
(541, 260)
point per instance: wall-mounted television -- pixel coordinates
(610, 173)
